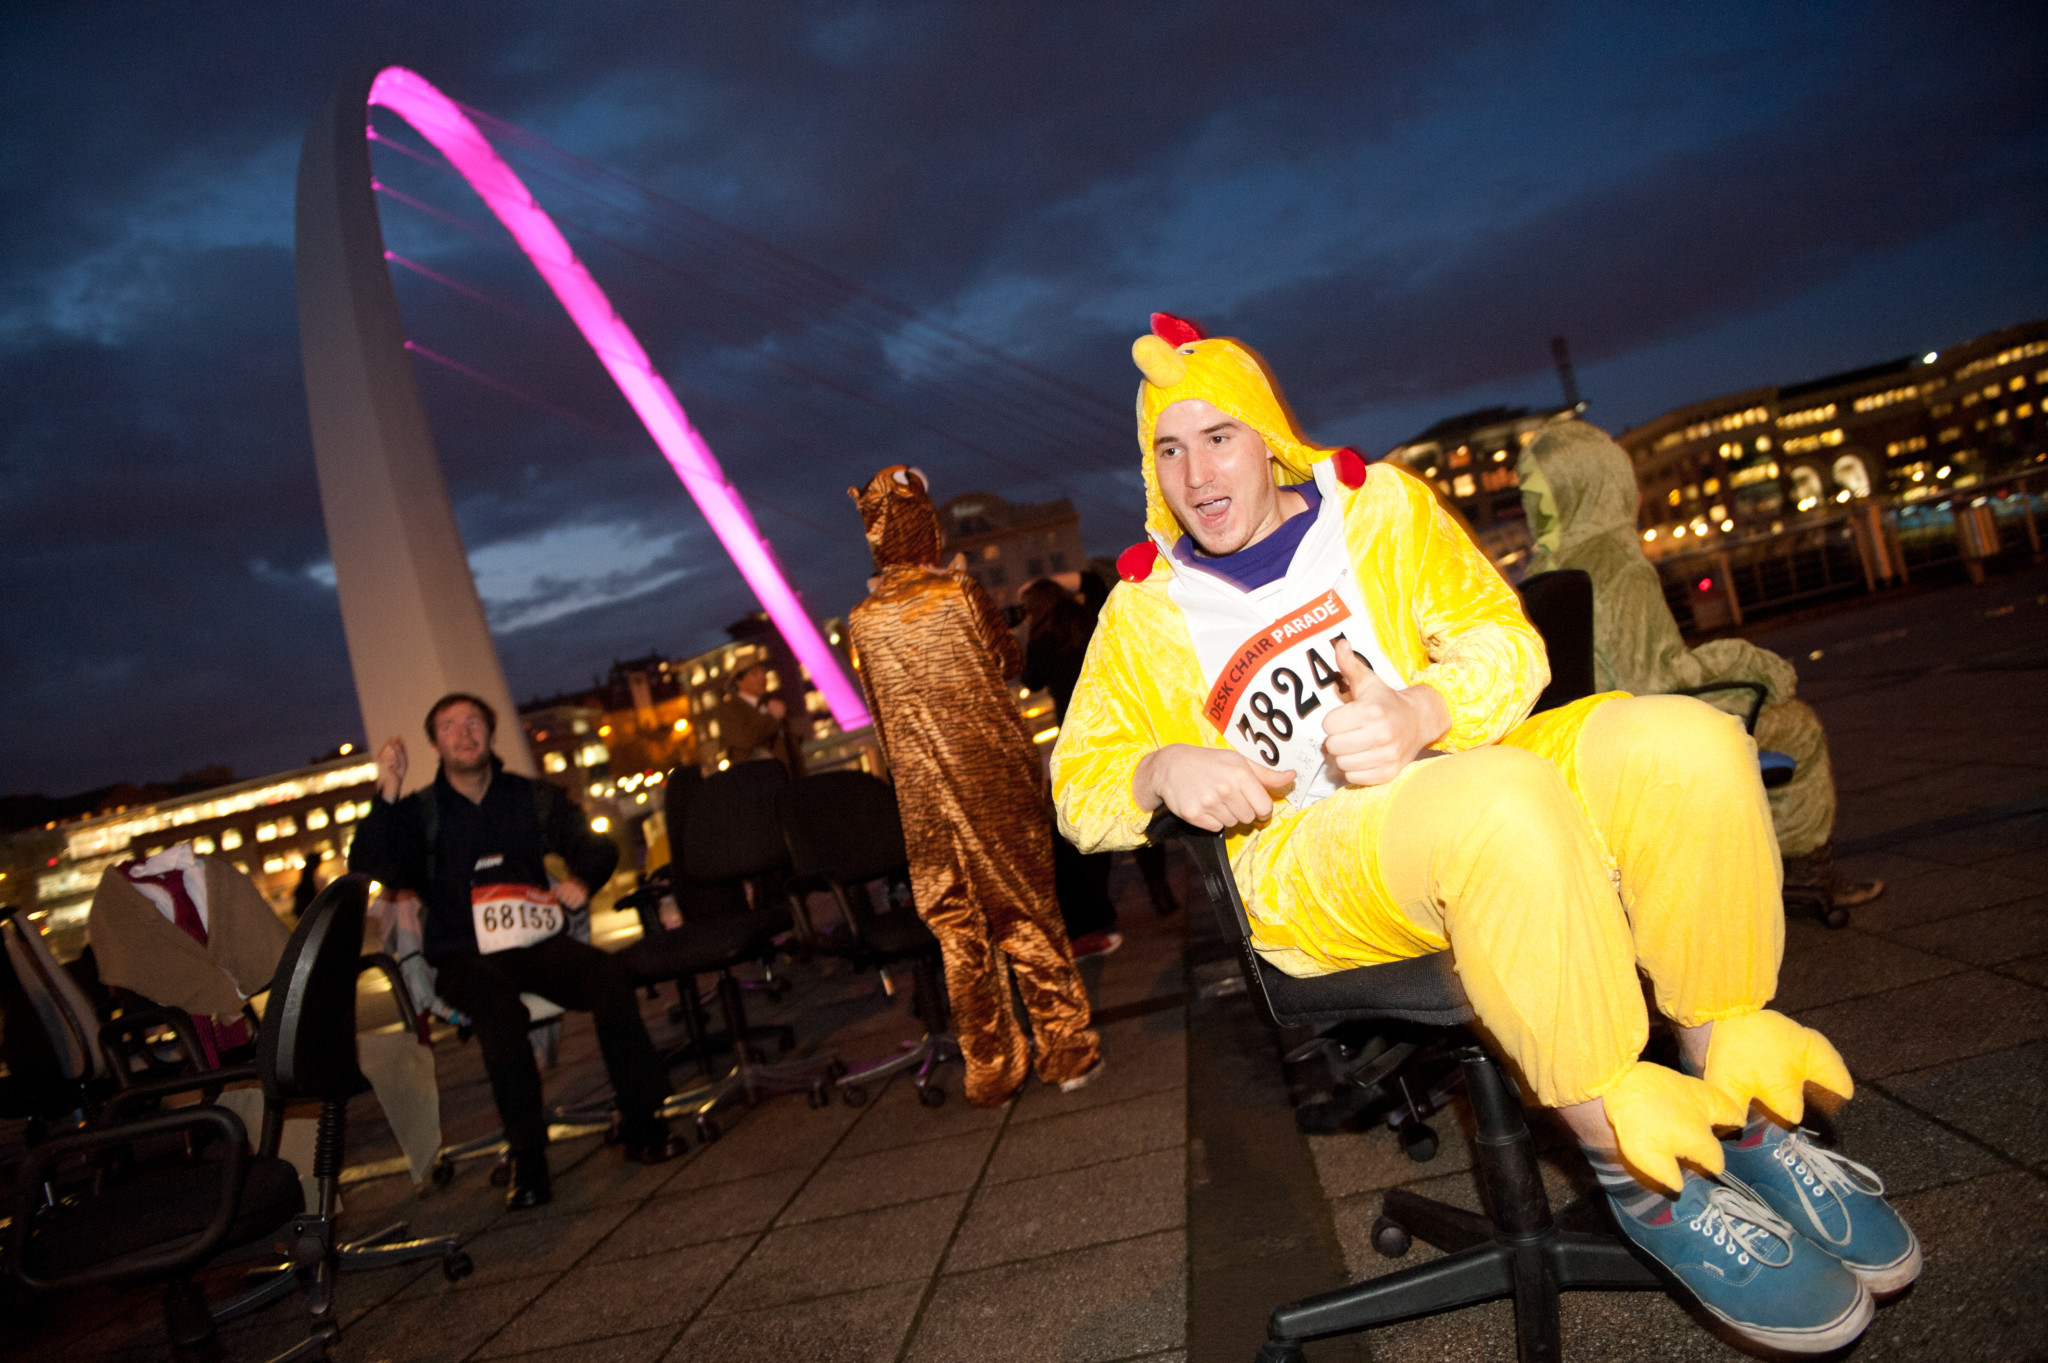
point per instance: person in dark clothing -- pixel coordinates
(1058, 628)
(474, 847)
(307, 890)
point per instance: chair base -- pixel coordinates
(1518, 1251)
(750, 1080)
(924, 1056)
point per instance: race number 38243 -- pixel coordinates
(1269, 699)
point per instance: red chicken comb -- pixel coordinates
(1175, 331)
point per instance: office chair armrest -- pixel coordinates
(408, 1012)
(180, 1255)
(148, 1091)
(121, 1039)
(1758, 691)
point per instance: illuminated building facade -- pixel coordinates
(1008, 546)
(1471, 459)
(270, 828)
(1910, 429)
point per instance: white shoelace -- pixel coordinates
(1813, 1167)
(1738, 1222)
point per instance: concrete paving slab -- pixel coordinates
(1924, 1024)
(1988, 936)
(1155, 1121)
(1112, 1301)
(1826, 965)
(695, 1216)
(2001, 1098)
(856, 1183)
(1039, 1216)
(1143, 1055)
(601, 1301)
(821, 1258)
(854, 1327)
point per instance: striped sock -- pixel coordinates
(1628, 1193)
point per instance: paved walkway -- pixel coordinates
(1071, 1227)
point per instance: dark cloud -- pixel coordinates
(1399, 206)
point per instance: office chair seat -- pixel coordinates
(1421, 989)
(894, 936)
(700, 947)
(160, 1205)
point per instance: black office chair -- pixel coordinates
(730, 840)
(136, 1220)
(844, 832)
(1517, 1248)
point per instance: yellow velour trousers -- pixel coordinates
(1615, 833)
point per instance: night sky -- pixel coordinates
(852, 235)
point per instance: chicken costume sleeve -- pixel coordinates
(1583, 490)
(934, 656)
(1551, 854)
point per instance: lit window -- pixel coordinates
(554, 761)
(1763, 444)
(1649, 535)
(362, 809)
(600, 824)
(593, 755)
(287, 826)
(266, 832)
(1678, 532)
(2025, 410)
(1500, 456)
(1717, 512)
(272, 865)
(2019, 381)
(202, 844)
(1463, 486)
(316, 818)
(1711, 486)
(1673, 496)
(230, 839)
(1727, 526)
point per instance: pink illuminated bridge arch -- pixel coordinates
(437, 118)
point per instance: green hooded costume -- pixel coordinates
(1579, 490)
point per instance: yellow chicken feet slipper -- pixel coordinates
(1768, 1057)
(1660, 1116)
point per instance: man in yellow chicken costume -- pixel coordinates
(1309, 653)
(935, 657)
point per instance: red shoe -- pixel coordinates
(1096, 944)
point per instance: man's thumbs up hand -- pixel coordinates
(1378, 730)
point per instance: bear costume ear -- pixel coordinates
(1175, 331)
(854, 493)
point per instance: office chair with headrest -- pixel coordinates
(1517, 1248)
(844, 832)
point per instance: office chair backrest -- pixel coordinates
(730, 832)
(55, 1000)
(41, 1061)
(841, 826)
(1560, 605)
(308, 1044)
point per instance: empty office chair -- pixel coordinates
(844, 832)
(729, 843)
(164, 1218)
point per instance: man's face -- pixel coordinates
(462, 737)
(1215, 473)
(752, 682)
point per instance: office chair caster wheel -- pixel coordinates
(818, 1095)
(1280, 1353)
(1836, 916)
(855, 1096)
(443, 1173)
(707, 1131)
(1391, 1238)
(501, 1172)
(457, 1266)
(836, 1070)
(1418, 1141)
(931, 1095)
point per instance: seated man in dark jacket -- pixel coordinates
(474, 847)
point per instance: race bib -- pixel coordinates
(508, 916)
(1269, 656)
(1270, 699)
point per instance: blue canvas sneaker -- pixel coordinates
(1830, 1199)
(1752, 1270)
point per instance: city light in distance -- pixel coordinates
(600, 824)
(1930, 357)
(1649, 535)
(346, 749)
